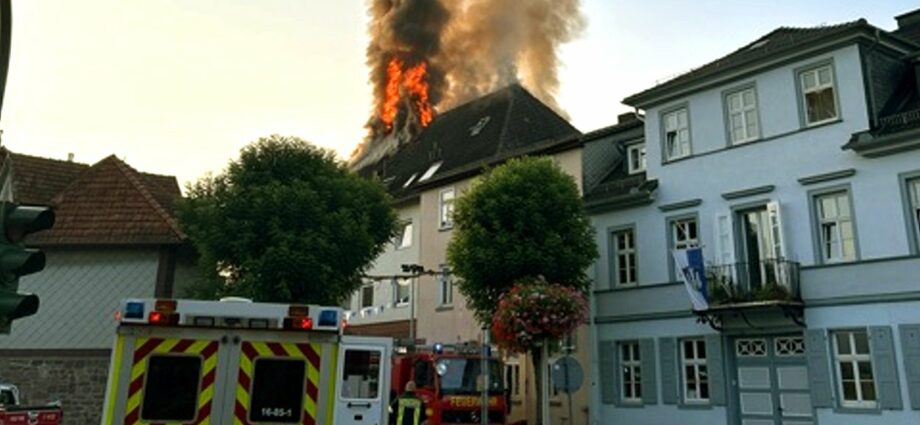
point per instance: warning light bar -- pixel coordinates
(230, 313)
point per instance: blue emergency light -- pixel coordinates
(134, 310)
(328, 318)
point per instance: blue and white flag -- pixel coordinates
(691, 270)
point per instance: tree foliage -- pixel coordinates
(521, 221)
(286, 222)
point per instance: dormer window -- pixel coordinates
(635, 158)
(819, 98)
(430, 171)
(676, 134)
(410, 180)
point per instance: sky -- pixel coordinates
(178, 87)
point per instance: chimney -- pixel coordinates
(69, 156)
(909, 25)
(626, 117)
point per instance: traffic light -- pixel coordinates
(17, 222)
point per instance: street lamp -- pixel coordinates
(415, 270)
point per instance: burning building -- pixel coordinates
(427, 56)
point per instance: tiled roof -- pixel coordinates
(783, 40)
(508, 122)
(107, 203)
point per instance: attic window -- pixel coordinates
(430, 172)
(476, 129)
(408, 182)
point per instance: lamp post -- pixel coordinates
(415, 270)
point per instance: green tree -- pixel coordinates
(522, 222)
(286, 222)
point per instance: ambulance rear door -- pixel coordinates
(164, 375)
(280, 377)
(363, 381)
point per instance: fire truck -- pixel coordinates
(449, 381)
(238, 362)
(13, 413)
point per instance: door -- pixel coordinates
(279, 378)
(362, 381)
(771, 381)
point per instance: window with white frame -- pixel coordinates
(913, 192)
(743, 123)
(367, 296)
(676, 134)
(446, 209)
(445, 287)
(695, 375)
(404, 238)
(819, 100)
(635, 155)
(624, 260)
(512, 378)
(835, 227)
(631, 372)
(854, 369)
(684, 233)
(401, 291)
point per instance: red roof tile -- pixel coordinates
(106, 203)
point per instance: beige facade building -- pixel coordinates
(426, 176)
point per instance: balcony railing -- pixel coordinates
(767, 280)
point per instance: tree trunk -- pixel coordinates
(536, 357)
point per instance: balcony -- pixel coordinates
(753, 292)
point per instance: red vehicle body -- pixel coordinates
(45, 415)
(449, 383)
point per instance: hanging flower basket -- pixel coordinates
(531, 313)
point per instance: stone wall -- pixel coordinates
(76, 378)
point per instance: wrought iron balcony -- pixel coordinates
(766, 281)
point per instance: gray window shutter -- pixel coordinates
(881, 343)
(668, 358)
(910, 344)
(647, 357)
(715, 367)
(819, 376)
(606, 359)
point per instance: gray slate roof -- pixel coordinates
(506, 123)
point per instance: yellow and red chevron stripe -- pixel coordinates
(253, 349)
(146, 347)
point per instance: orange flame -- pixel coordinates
(390, 103)
(417, 86)
(414, 82)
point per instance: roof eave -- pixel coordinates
(666, 91)
(873, 147)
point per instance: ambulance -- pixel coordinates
(239, 362)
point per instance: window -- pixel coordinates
(684, 233)
(624, 258)
(512, 378)
(445, 287)
(410, 180)
(367, 296)
(676, 134)
(277, 391)
(430, 171)
(171, 388)
(631, 368)
(401, 291)
(635, 155)
(913, 193)
(404, 238)
(743, 125)
(695, 375)
(361, 374)
(819, 101)
(835, 226)
(447, 208)
(854, 369)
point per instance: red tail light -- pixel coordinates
(155, 317)
(298, 323)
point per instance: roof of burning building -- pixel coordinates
(460, 142)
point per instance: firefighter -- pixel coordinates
(410, 409)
